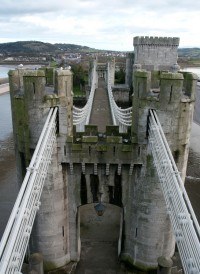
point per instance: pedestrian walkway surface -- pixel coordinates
(100, 114)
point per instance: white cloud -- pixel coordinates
(99, 23)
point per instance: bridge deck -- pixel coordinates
(100, 114)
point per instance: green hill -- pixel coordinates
(192, 53)
(26, 47)
(36, 47)
(73, 48)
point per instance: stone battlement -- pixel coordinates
(167, 86)
(156, 41)
(92, 135)
(155, 53)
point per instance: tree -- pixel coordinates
(79, 78)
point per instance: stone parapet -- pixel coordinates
(159, 41)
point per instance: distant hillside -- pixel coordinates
(36, 47)
(193, 53)
(26, 47)
(73, 47)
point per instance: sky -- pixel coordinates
(101, 24)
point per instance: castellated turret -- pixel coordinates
(172, 95)
(156, 53)
(33, 93)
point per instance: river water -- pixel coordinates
(8, 178)
(5, 68)
(8, 185)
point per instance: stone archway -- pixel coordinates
(100, 238)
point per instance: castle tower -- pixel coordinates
(148, 233)
(31, 101)
(156, 53)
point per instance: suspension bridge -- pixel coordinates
(185, 226)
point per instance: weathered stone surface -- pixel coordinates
(102, 162)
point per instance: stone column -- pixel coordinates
(111, 67)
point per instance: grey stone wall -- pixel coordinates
(50, 234)
(31, 99)
(111, 68)
(121, 94)
(119, 166)
(149, 233)
(156, 53)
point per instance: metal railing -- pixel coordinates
(17, 233)
(185, 225)
(120, 117)
(81, 116)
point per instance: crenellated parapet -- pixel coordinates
(33, 92)
(172, 95)
(92, 135)
(156, 41)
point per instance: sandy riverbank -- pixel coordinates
(4, 88)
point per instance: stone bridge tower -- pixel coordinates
(148, 230)
(119, 165)
(33, 93)
(155, 53)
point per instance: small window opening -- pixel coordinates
(138, 90)
(63, 231)
(139, 151)
(136, 232)
(34, 88)
(170, 96)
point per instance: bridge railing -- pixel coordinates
(81, 116)
(120, 117)
(15, 239)
(185, 225)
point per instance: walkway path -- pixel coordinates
(100, 114)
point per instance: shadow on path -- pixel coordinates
(99, 240)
